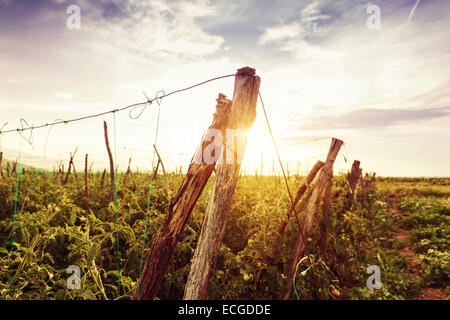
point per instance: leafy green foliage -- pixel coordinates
(429, 221)
(57, 226)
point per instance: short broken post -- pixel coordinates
(70, 166)
(354, 175)
(309, 179)
(353, 178)
(310, 216)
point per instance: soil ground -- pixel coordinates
(409, 254)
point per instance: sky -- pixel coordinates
(328, 68)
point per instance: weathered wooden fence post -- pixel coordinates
(112, 187)
(181, 207)
(309, 179)
(86, 180)
(354, 176)
(242, 115)
(310, 216)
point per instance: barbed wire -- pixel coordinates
(157, 99)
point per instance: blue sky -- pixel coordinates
(385, 92)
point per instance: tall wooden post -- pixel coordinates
(310, 216)
(242, 115)
(181, 207)
(112, 186)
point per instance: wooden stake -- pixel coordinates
(155, 172)
(112, 188)
(180, 208)
(128, 172)
(310, 216)
(103, 178)
(163, 170)
(354, 176)
(86, 182)
(75, 174)
(70, 166)
(242, 116)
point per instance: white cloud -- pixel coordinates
(65, 96)
(411, 14)
(280, 33)
(327, 59)
(158, 27)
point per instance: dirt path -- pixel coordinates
(409, 254)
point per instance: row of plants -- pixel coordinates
(57, 226)
(429, 222)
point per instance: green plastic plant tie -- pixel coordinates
(295, 275)
(117, 204)
(14, 216)
(158, 97)
(148, 204)
(29, 140)
(1, 128)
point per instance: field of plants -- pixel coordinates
(400, 225)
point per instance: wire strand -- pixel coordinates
(115, 110)
(279, 158)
